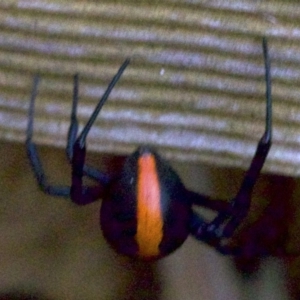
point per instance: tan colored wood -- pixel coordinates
(194, 89)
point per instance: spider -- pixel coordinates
(146, 210)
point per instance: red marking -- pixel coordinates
(149, 218)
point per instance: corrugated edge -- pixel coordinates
(194, 89)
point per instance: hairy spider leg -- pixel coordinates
(80, 194)
(213, 232)
(72, 135)
(33, 153)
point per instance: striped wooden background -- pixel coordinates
(194, 88)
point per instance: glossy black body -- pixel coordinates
(118, 217)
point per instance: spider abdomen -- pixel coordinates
(146, 216)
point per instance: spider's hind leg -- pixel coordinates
(32, 152)
(224, 224)
(241, 203)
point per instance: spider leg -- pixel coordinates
(82, 137)
(208, 202)
(72, 134)
(79, 193)
(208, 233)
(224, 224)
(242, 201)
(32, 152)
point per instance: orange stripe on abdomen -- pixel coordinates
(149, 217)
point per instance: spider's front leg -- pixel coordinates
(224, 224)
(76, 151)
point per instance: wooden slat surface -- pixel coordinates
(194, 88)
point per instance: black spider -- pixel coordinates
(146, 211)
